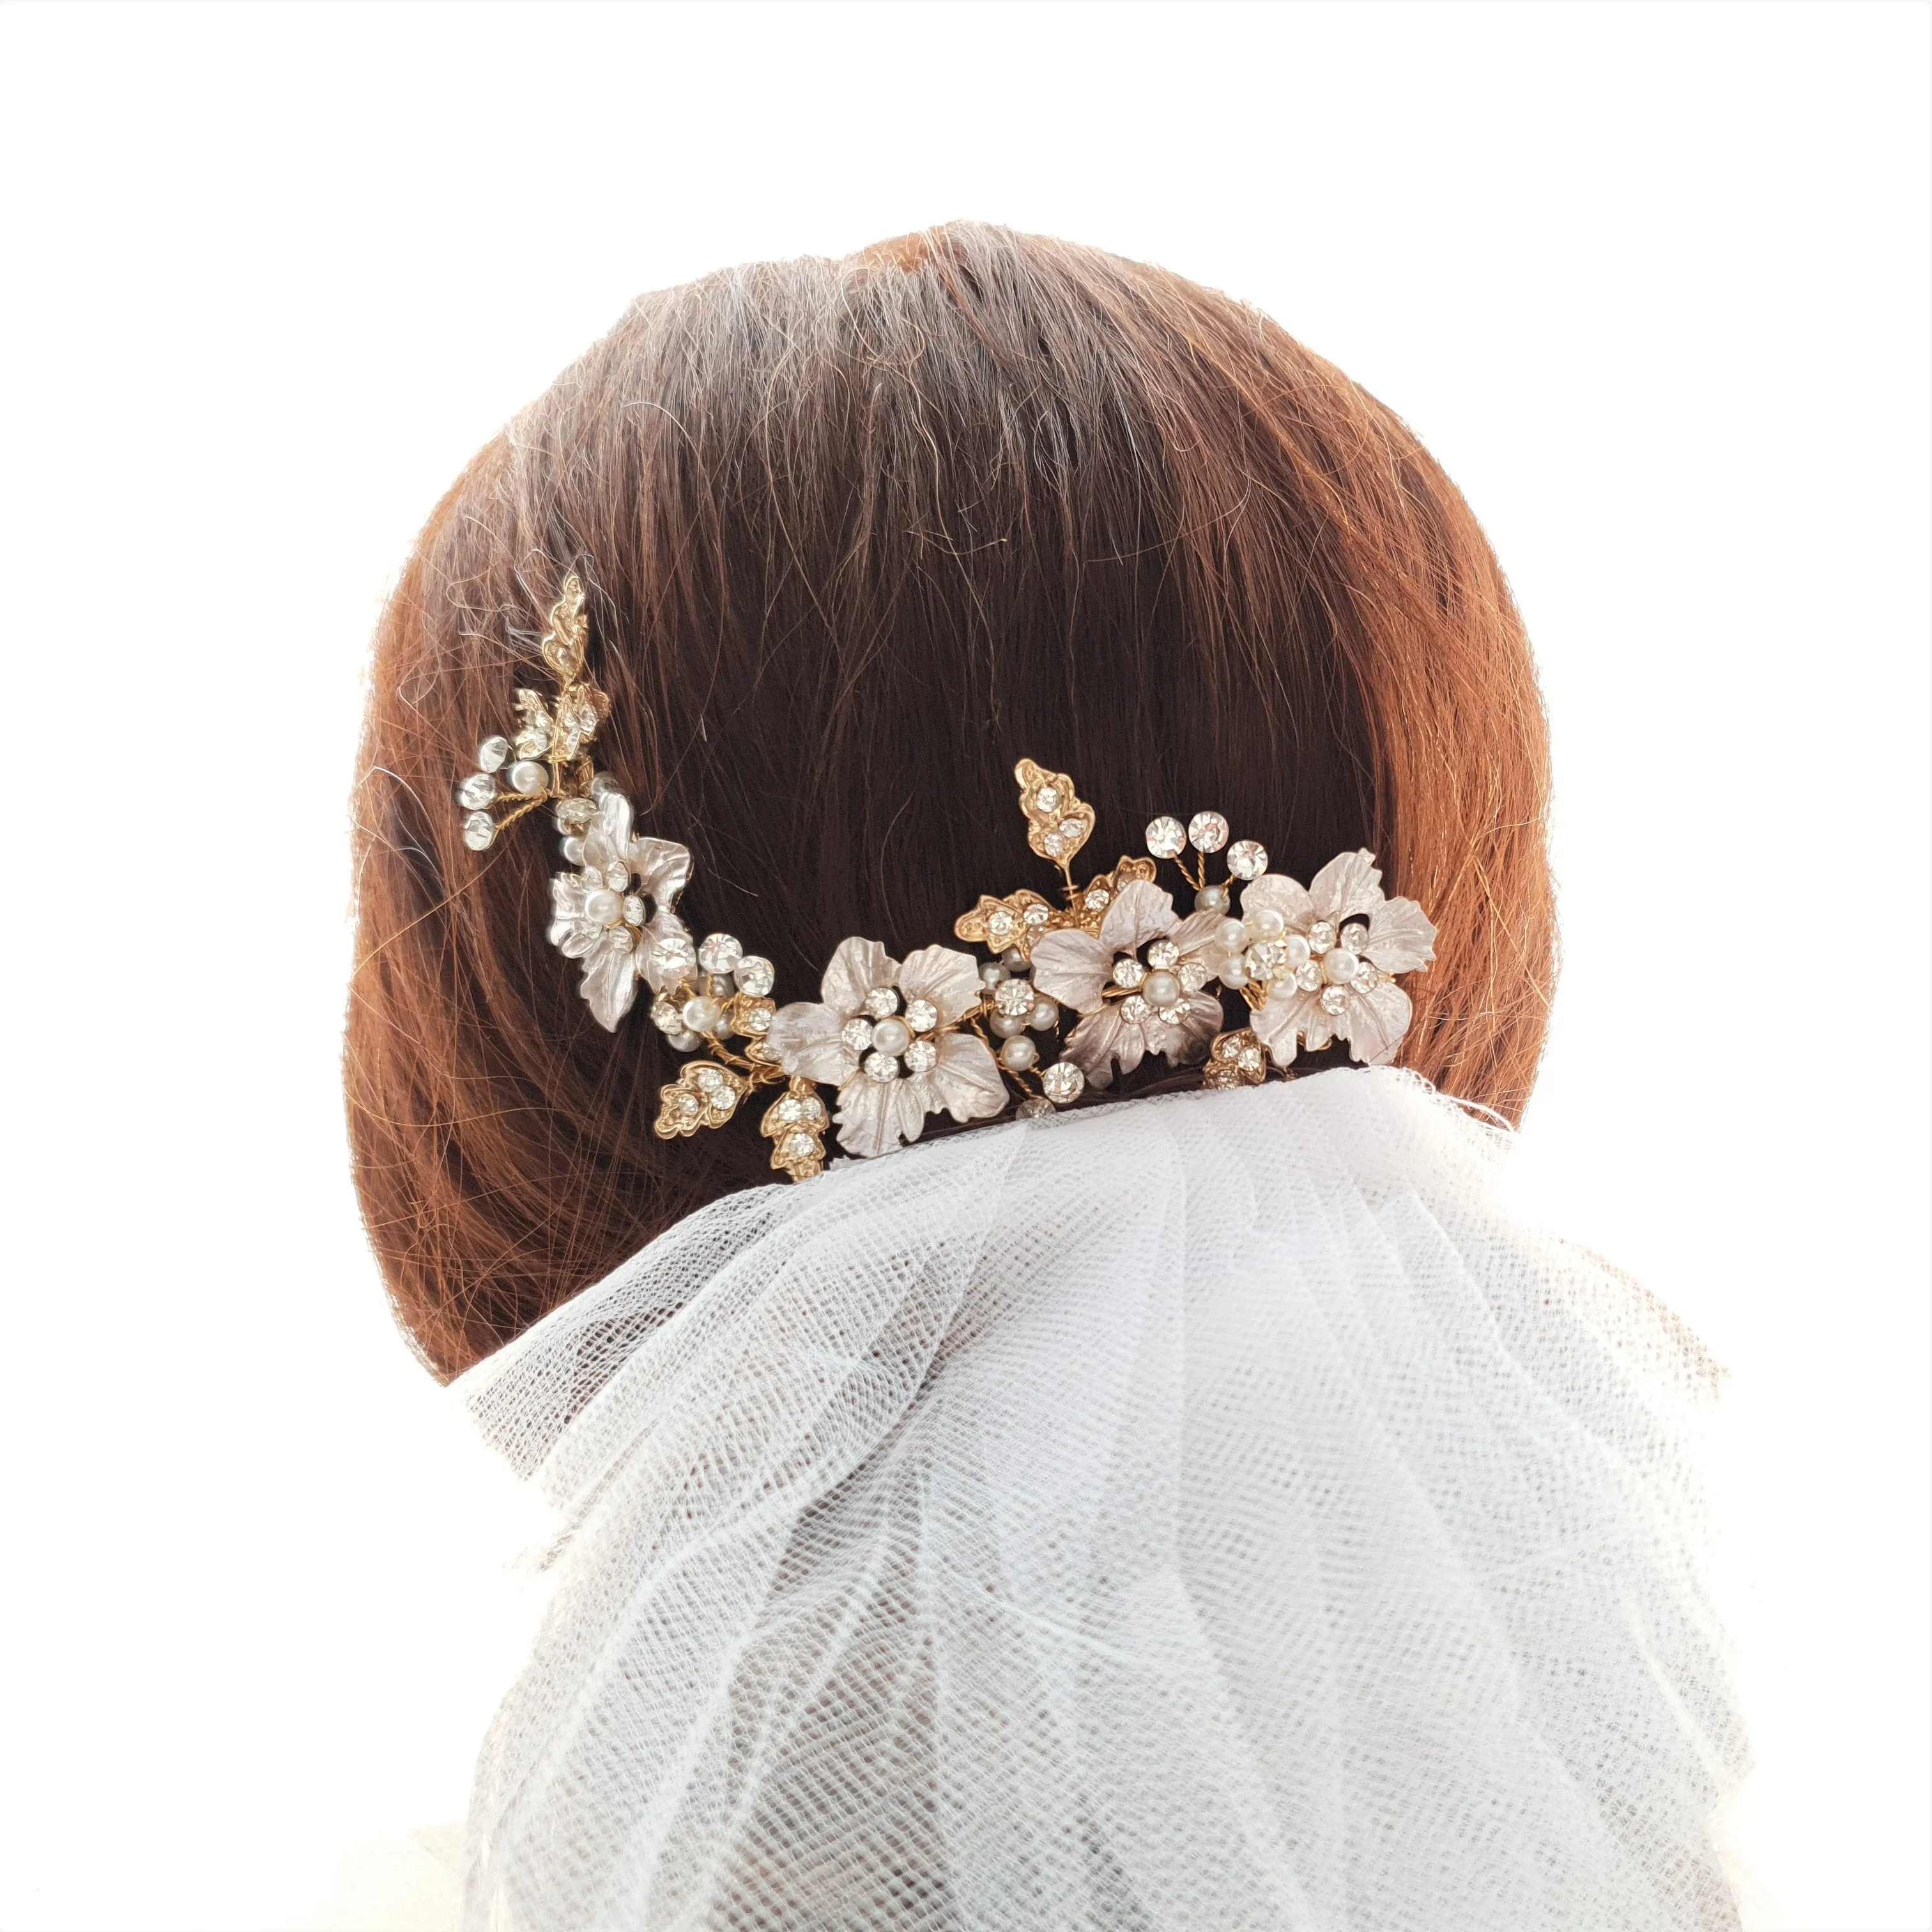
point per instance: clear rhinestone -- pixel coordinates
(922, 1057)
(666, 1016)
(1063, 1082)
(1048, 798)
(724, 1100)
(1099, 899)
(528, 777)
(1037, 915)
(1073, 830)
(1171, 1016)
(1320, 936)
(756, 1021)
(922, 1015)
(857, 1034)
(882, 1001)
(756, 975)
(672, 957)
(478, 829)
(1335, 999)
(719, 952)
(1128, 971)
(491, 753)
(1032, 1107)
(1265, 958)
(999, 922)
(573, 815)
(476, 791)
(881, 1066)
(1167, 838)
(1354, 935)
(1247, 858)
(688, 1103)
(1194, 973)
(634, 909)
(788, 1111)
(1249, 1059)
(799, 1146)
(708, 1078)
(811, 1107)
(1309, 977)
(1014, 996)
(1163, 955)
(1206, 831)
(1133, 1008)
(1055, 845)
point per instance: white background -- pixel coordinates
(1651, 282)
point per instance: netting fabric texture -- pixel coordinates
(1211, 1511)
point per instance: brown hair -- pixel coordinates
(856, 535)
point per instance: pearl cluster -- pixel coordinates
(1158, 986)
(1019, 1010)
(724, 991)
(1323, 960)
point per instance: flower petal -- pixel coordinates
(568, 893)
(1072, 968)
(1140, 911)
(1186, 1039)
(1213, 938)
(876, 1116)
(1349, 883)
(805, 1036)
(663, 869)
(966, 1082)
(1401, 937)
(610, 976)
(1103, 1036)
(1376, 1022)
(857, 968)
(1288, 1010)
(1275, 892)
(607, 845)
(945, 975)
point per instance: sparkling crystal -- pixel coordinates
(1038, 915)
(1167, 838)
(1055, 845)
(1133, 1008)
(999, 922)
(1265, 958)
(1014, 996)
(688, 1103)
(1099, 899)
(1032, 1107)
(476, 791)
(1194, 973)
(1309, 977)
(922, 1057)
(528, 777)
(1247, 858)
(1206, 831)
(1354, 935)
(672, 957)
(799, 1146)
(724, 1100)
(1048, 798)
(756, 975)
(1320, 936)
(857, 1034)
(603, 785)
(719, 952)
(755, 1021)
(1171, 1014)
(666, 1016)
(491, 753)
(811, 1107)
(1250, 1059)
(1334, 999)
(1063, 1082)
(634, 909)
(922, 1015)
(708, 1078)
(881, 1001)
(1073, 830)
(1163, 955)
(478, 829)
(789, 1111)
(1128, 971)
(573, 815)
(881, 1066)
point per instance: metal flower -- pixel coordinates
(1325, 954)
(889, 1035)
(1136, 1005)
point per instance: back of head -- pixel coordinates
(856, 536)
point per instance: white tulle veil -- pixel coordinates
(1214, 1511)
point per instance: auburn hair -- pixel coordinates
(857, 535)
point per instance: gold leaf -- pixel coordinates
(1018, 919)
(1058, 821)
(795, 1124)
(1091, 901)
(580, 710)
(1236, 1060)
(703, 1095)
(569, 631)
(533, 735)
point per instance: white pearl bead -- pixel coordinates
(1161, 989)
(1265, 922)
(892, 1036)
(1008, 1026)
(1013, 959)
(684, 1042)
(528, 777)
(1295, 949)
(1211, 898)
(603, 908)
(1045, 1016)
(1340, 966)
(1018, 1054)
(702, 1014)
(991, 973)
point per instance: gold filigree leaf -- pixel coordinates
(795, 1125)
(1236, 1060)
(580, 710)
(563, 643)
(534, 734)
(1091, 901)
(1018, 919)
(1059, 822)
(750, 1014)
(703, 1095)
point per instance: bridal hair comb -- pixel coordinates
(940, 1030)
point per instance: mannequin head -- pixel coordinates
(856, 535)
